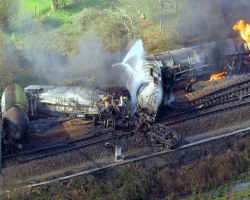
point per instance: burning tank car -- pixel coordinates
(152, 78)
(183, 67)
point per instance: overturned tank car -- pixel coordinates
(108, 106)
(15, 118)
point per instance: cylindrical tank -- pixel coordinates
(182, 67)
(210, 53)
(64, 99)
(15, 118)
(150, 93)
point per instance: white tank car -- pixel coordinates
(150, 92)
(54, 100)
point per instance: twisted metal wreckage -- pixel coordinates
(150, 81)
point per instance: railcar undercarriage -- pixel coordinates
(238, 63)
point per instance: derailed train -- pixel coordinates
(159, 75)
(162, 73)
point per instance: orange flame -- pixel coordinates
(217, 76)
(244, 31)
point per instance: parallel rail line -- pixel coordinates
(224, 98)
(215, 97)
(50, 147)
(123, 162)
(201, 112)
(61, 151)
(54, 148)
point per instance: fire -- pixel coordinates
(244, 31)
(217, 76)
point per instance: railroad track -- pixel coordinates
(205, 105)
(232, 97)
(77, 143)
(232, 91)
(213, 88)
(198, 115)
(231, 104)
(140, 158)
(199, 107)
(167, 139)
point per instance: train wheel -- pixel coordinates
(234, 66)
(165, 146)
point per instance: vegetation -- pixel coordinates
(138, 182)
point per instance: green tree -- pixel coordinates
(3, 6)
(7, 73)
(8, 10)
(54, 5)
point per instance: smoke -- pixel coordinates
(169, 98)
(94, 62)
(205, 21)
(90, 67)
(129, 69)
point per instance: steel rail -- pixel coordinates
(61, 151)
(123, 162)
(207, 113)
(51, 147)
(215, 96)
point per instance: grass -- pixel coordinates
(62, 17)
(34, 7)
(41, 10)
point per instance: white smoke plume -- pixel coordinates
(130, 67)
